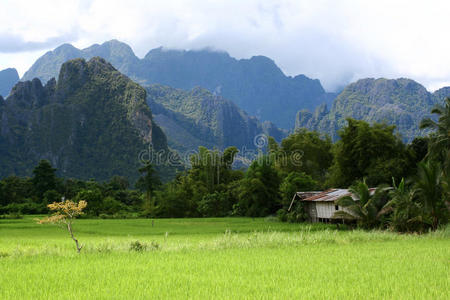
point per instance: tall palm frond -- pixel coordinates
(362, 205)
(441, 138)
(429, 188)
(406, 213)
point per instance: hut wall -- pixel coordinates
(325, 209)
(312, 212)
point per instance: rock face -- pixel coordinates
(199, 118)
(91, 123)
(256, 85)
(401, 102)
(8, 78)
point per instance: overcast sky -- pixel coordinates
(334, 41)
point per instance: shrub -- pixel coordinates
(138, 246)
(282, 215)
(11, 216)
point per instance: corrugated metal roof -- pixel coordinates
(331, 195)
(328, 195)
(303, 195)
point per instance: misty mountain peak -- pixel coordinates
(257, 85)
(112, 50)
(64, 48)
(8, 78)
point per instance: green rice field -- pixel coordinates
(219, 258)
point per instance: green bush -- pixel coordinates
(138, 246)
(282, 215)
(11, 216)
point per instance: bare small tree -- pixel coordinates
(64, 214)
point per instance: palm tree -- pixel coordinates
(408, 214)
(440, 144)
(429, 185)
(364, 208)
(446, 187)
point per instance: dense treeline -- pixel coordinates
(31, 195)
(365, 156)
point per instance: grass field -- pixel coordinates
(219, 259)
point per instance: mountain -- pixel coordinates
(93, 122)
(442, 93)
(256, 85)
(200, 118)
(8, 78)
(401, 102)
(47, 66)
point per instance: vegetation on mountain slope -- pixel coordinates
(401, 102)
(199, 118)
(91, 123)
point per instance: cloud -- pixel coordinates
(10, 43)
(334, 41)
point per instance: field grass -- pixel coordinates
(219, 259)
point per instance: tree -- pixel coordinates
(117, 183)
(439, 149)
(211, 168)
(429, 186)
(51, 196)
(94, 196)
(16, 189)
(371, 152)
(295, 182)
(304, 151)
(203, 190)
(365, 209)
(440, 140)
(259, 195)
(216, 204)
(3, 200)
(65, 213)
(407, 214)
(419, 148)
(147, 183)
(173, 200)
(44, 178)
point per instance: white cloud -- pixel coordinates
(335, 41)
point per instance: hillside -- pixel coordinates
(91, 123)
(256, 85)
(199, 118)
(8, 78)
(401, 102)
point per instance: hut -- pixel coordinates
(321, 206)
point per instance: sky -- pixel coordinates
(336, 42)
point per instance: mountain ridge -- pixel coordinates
(257, 85)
